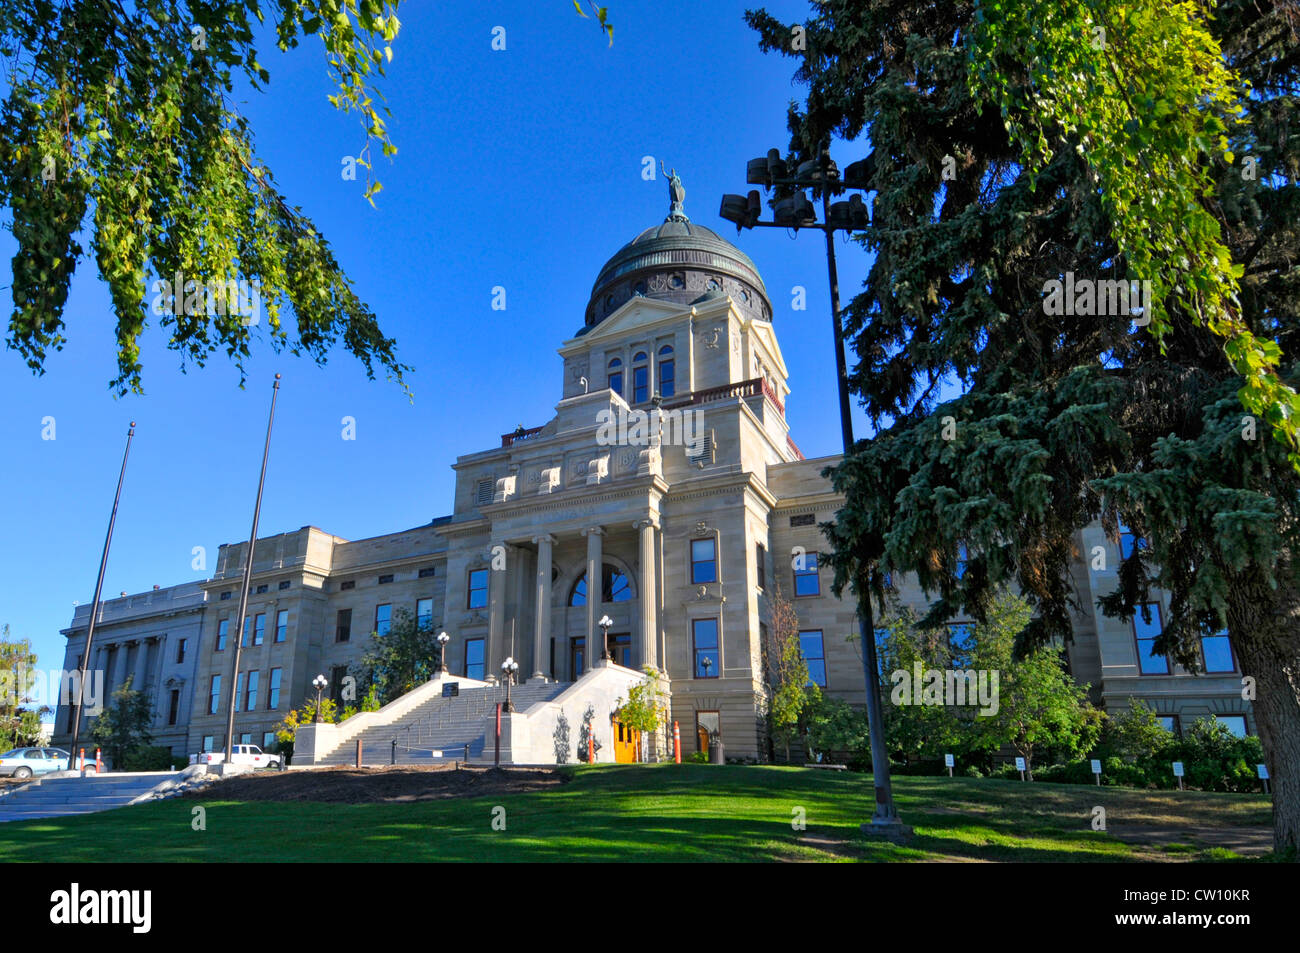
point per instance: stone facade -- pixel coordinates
(688, 524)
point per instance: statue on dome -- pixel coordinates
(676, 195)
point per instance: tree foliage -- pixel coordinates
(786, 671)
(1063, 419)
(124, 724)
(20, 725)
(121, 118)
(403, 659)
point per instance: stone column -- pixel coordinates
(647, 592)
(595, 589)
(542, 593)
(493, 654)
(119, 667)
(141, 681)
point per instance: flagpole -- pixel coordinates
(248, 575)
(94, 606)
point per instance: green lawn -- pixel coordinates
(663, 812)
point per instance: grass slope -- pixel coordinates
(655, 813)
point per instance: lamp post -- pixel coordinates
(320, 682)
(794, 210)
(508, 669)
(604, 623)
(443, 639)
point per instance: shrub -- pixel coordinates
(148, 758)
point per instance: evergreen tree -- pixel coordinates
(124, 723)
(1003, 426)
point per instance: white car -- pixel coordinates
(240, 754)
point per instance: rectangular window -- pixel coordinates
(704, 561)
(268, 741)
(250, 698)
(259, 628)
(760, 564)
(261, 589)
(475, 667)
(813, 648)
(428, 571)
(207, 743)
(343, 626)
(424, 613)
(225, 595)
(1169, 723)
(281, 625)
(1236, 724)
(1147, 626)
(337, 674)
(704, 635)
(385, 579)
(181, 646)
(214, 695)
(961, 560)
(804, 519)
(478, 589)
(223, 631)
(667, 377)
(616, 382)
(1128, 542)
(577, 658)
(640, 384)
(961, 640)
(284, 584)
(349, 584)
(383, 618)
(246, 738)
(273, 690)
(1216, 653)
(239, 691)
(620, 647)
(806, 580)
(173, 706)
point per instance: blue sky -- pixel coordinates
(519, 168)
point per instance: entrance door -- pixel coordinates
(627, 743)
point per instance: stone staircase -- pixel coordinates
(442, 724)
(60, 796)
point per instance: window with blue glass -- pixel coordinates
(281, 625)
(1169, 723)
(424, 613)
(806, 580)
(1147, 626)
(1236, 724)
(615, 373)
(383, 619)
(704, 561)
(259, 628)
(223, 631)
(620, 648)
(478, 589)
(615, 587)
(813, 648)
(704, 638)
(273, 690)
(640, 378)
(961, 560)
(1128, 542)
(577, 658)
(474, 666)
(250, 690)
(1216, 653)
(667, 372)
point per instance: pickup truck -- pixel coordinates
(241, 754)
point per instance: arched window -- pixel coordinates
(615, 587)
(640, 378)
(616, 376)
(667, 373)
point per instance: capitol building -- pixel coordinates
(665, 494)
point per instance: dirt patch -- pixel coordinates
(381, 785)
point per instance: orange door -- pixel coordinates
(627, 742)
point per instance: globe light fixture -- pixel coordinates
(320, 682)
(443, 639)
(604, 623)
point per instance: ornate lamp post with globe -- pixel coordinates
(320, 683)
(604, 623)
(508, 669)
(443, 639)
